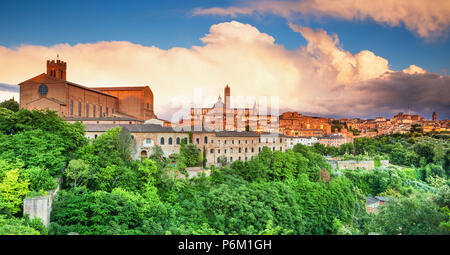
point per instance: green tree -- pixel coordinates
(10, 104)
(12, 192)
(396, 217)
(40, 179)
(77, 173)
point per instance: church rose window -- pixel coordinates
(43, 90)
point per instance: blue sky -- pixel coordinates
(168, 24)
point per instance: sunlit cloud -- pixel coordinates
(428, 19)
(320, 77)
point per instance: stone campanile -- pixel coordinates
(57, 69)
(226, 95)
(434, 116)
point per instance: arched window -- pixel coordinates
(162, 141)
(170, 140)
(185, 140)
(206, 140)
(178, 140)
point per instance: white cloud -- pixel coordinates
(428, 19)
(320, 77)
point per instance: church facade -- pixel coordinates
(72, 101)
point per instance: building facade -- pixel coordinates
(232, 145)
(52, 91)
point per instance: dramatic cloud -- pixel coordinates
(320, 77)
(429, 19)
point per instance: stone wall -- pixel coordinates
(353, 164)
(40, 206)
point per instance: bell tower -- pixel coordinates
(226, 96)
(57, 69)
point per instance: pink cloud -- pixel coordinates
(320, 77)
(428, 19)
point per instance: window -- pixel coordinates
(231, 159)
(148, 106)
(95, 136)
(239, 158)
(218, 141)
(245, 141)
(107, 111)
(94, 111)
(79, 109)
(161, 141)
(218, 151)
(245, 150)
(197, 140)
(259, 149)
(211, 151)
(206, 140)
(148, 140)
(253, 149)
(170, 140)
(71, 107)
(231, 150)
(101, 111)
(87, 110)
(281, 148)
(132, 137)
(260, 140)
(239, 141)
(245, 158)
(112, 111)
(43, 90)
(232, 141)
(239, 150)
(225, 141)
(281, 140)
(178, 140)
(273, 148)
(212, 141)
(185, 140)
(225, 151)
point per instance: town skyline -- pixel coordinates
(318, 62)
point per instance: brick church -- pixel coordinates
(72, 101)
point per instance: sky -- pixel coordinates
(320, 57)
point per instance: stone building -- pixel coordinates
(332, 140)
(134, 101)
(145, 137)
(236, 145)
(231, 144)
(291, 141)
(295, 124)
(52, 91)
(223, 117)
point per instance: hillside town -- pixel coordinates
(222, 129)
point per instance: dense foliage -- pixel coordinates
(105, 191)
